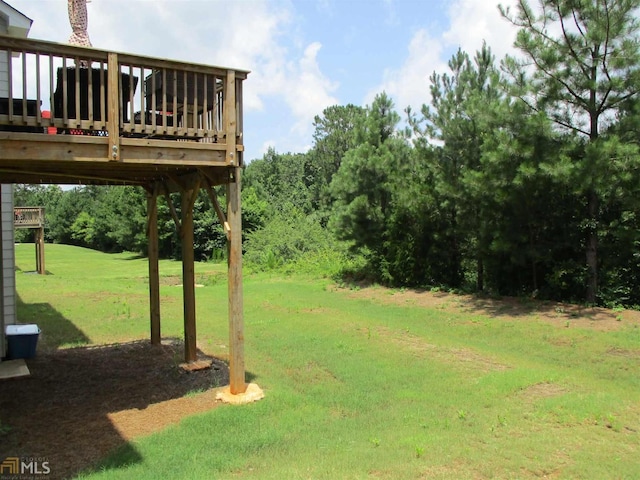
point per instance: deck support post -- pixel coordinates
(188, 198)
(39, 241)
(113, 110)
(154, 272)
(237, 383)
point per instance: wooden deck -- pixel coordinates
(28, 217)
(118, 118)
(32, 218)
(76, 115)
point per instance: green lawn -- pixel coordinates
(356, 388)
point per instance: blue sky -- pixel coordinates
(304, 55)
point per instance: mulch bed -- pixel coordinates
(81, 403)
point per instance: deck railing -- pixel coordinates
(64, 89)
(28, 217)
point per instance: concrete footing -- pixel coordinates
(252, 394)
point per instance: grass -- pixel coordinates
(356, 389)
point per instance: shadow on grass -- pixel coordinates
(67, 411)
(56, 329)
(485, 304)
(362, 278)
(34, 272)
(132, 256)
(527, 307)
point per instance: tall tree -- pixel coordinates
(279, 178)
(367, 183)
(334, 135)
(462, 102)
(581, 63)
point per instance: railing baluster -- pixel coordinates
(154, 104)
(143, 114)
(78, 104)
(185, 107)
(131, 105)
(195, 99)
(90, 94)
(38, 99)
(51, 90)
(10, 109)
(175, 100)
(103, 96)
(164, 102)
(65, 93)
(214, 113)
(24, 87)
(205, 103)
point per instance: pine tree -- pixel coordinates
(581, 63)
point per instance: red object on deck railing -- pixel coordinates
(50, 130)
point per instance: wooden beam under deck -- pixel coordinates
(80, 148)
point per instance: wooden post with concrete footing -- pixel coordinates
(154, 273)
(236, 317)
(188, 198)
(40, 251)
(238, 392)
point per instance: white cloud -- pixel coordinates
(409, 85)
(250, 40)
(308, 89)
(470, 22)
(266, 145)
(473, 21)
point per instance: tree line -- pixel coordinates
(516, 177)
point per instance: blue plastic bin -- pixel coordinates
(22, 341)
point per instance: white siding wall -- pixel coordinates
(4, 61)
(20, 26)
(8, 283)
(4, 75)
(8, 255)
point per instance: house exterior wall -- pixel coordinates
(8, 274)
(12, 22)
(8, 255)
(4, 59)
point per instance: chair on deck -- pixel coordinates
(17, 109)
(97, 79)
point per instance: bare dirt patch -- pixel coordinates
(81, 403)
(560, 314)
(542, 390)
(464, 358)
(633, 354)
(201, 279)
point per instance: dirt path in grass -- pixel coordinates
(520, 309)
(81, 403)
